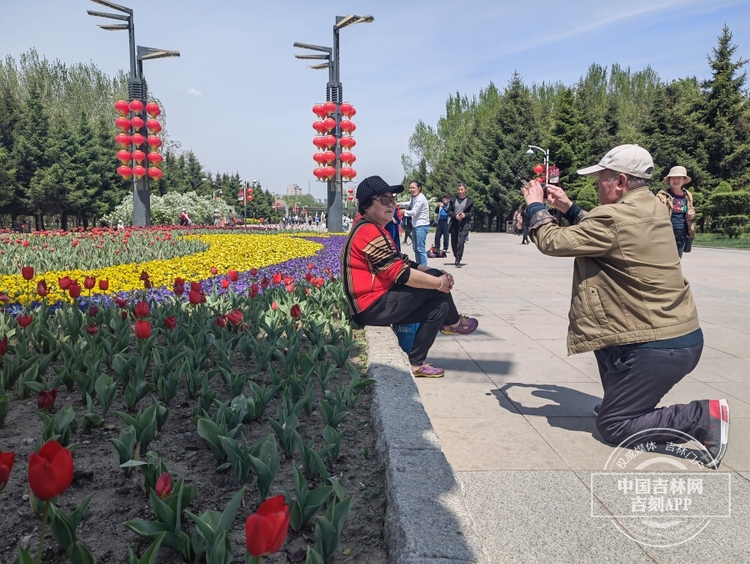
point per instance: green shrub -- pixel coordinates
(165, 210)
(723, 188)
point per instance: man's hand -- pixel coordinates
(533, 192)
(460, 216)
(558, 199)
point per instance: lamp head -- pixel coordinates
(530, 151)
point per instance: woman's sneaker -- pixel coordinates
(465, 326)
(718, 433)
(427, 371)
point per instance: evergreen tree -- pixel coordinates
(569, 142)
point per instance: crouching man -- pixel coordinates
(630, 304)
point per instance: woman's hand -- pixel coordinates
(558, 199)
(691, 214)
(446, 283)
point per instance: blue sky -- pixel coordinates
(240, 100)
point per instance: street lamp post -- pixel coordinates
(215, 191)
(531, 150)
(137, 90)
(334, 93)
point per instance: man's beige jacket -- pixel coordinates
(627, 279)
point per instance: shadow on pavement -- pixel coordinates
(572, 410)
(489, 367)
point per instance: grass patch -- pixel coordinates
(722, 241)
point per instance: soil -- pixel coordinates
(118, 498)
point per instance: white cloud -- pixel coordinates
(194, 92)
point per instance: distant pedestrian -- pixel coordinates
(524, 227)
(184, 218)
(392, 228)
(441, 222)
(419, 211)
(461, 211)
(217, 218)
(679, 203)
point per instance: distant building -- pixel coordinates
(293, 190)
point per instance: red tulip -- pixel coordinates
(74, 290)
(224, 283)
(41, 288)
(25, 243)
(266, 530)
(233, 275)
(142, 309)
(124, 315)
(179, 281)
(195, 297)
(93, 311)
(103, 285)
(274, 305)
(235, 317)
(295, 312)
(195, 287)
(4, 345)
(220, 321)
(6, 467)
(288, 280)
(64, 283)
(254, 272)
(179, 289)
(142, 329)
(276, 279)
(265, 282)
(310, 266)
(121, 303)
(147, 284)
(25, 320)
(144, 275)
(46, 399)
(27, 272)
(50, 471)
(164, 485)
(254, 290)
(214, 270)
(89, 282)
(75, 242)
(308, 276)
(170, 322)
(290, 288)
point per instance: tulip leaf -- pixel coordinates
(230, 512)
(80, 554)
(149, 557)
(23, 556)
(313, 557)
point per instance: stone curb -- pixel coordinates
(426, 518)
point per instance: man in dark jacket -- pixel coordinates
(461, 211)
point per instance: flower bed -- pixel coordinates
(180, 401)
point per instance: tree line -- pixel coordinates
(702, 125)
(58, 161)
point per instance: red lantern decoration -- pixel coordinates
(319, 111)
(347, 109)
(318, 142)
(329, 141)
(153, 109)
(347, 158)
(319, 127)
(139, 156)
(153, 126)
(123, 139)
(351, 190)
(347, 126)
(329, 123)
(155, 158)
(318, 158)
(250, 198)
(123, 123)
(122, 107)
(329, 107)
(137, 139)
(124, 156)
(329, 172)
(347, 142)
(125, 172)
(136, 122)
(249, 190)
(348, 172)
(351, 198)
(318, 173)
(329, 156)
(154, 173)
(139, 171)
(538, 169)
(136, 106)
(153, 141)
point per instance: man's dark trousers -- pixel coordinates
(458, 239)
(441, 232)
(635, 378)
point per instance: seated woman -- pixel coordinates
(384, 287)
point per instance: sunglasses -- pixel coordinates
(386, 200)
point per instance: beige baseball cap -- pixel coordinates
(630, 159)
(678, 171)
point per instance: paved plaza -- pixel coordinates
(514, 413)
